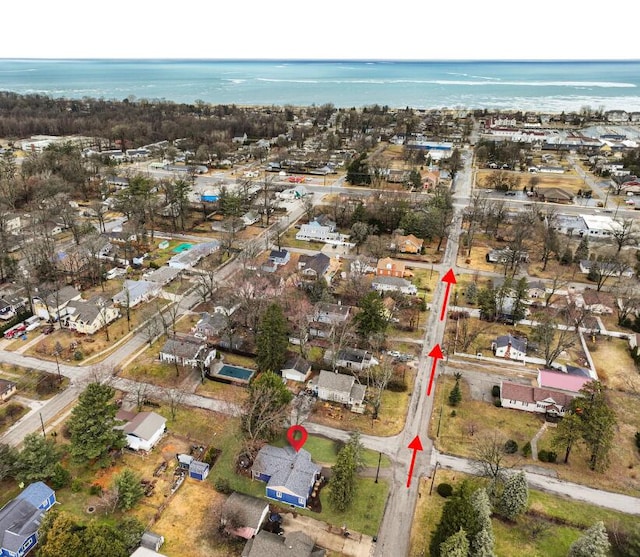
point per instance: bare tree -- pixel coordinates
(491, 459)
(174, 397)
(378, 378)
(624, 234)
(206, 280)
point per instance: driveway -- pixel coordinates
(329, 537)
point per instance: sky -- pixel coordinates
(327, 29)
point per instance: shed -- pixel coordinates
(151, 540)
(198, 470)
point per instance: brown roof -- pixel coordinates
(529, 394)
(591, 297)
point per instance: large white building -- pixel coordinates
(594, 226)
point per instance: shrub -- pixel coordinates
(444, 490)
(223, 486)
(48, 384)
(495, 391)
(547, 456)
(78, 355)
(526, 449)
(497, 403)
(60, 477)
(95, 490)
(453, 414)
(76, 485)
(511, 447)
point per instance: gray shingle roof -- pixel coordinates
(246, 509)
(144, 425)
(182, 348)
(266, 544)
(289, 469)
(518, 344)
(298, 363)
(338, 382)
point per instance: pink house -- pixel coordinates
(548, 379)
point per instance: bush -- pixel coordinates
(444, 490)
(48, 384)
(76, 486)
(78, 355)
(60, 477)
(495, 391)
(511, 447)
(526, 449)
(453, 414)
(95, 490)
(547, 456)
(223, 486)
(497, 403)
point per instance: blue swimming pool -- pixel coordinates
(236, 372)
(182, 247)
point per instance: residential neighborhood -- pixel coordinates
(180, 314)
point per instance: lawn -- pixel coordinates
(473, 419)
(549, 527)
(222, 391)
(10, 413)
(615, 367)
(391, 417)
(32, 383)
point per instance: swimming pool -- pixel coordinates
(182, 247)
(236, 372)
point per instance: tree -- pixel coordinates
(371, 319)
(458, 513)
(515, 496)
(8, 459)
(582, 251)
(360, 231)
(455, 396)
(129, 489)
(265, 410)
(455, 545)
(343, 479)
(491, 459)
(92, 424)
(483, 540)
(568, 432)
(272, 339)
(60, 536)
(593, 543)
(624, 233)
(358, 172)
(37, 460)
(553, 336)
(598, 423)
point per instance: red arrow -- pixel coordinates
(415, 446)
(436, 354)
(449, 278)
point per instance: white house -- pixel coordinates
(316, 232)
(394, 284)
(534, 399)
(144, 431)
(352, 358)
(135, 292)
(89, 317)
(338, 387)
(296, 369)
(510, 347)
(53, 304)
(186, 352)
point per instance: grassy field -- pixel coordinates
(615, 367)
(30, 383)
(10, 413)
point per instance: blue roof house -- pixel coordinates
(289, 475)
(21, 518)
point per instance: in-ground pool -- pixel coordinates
(182, 247)
(236, 372)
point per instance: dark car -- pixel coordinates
(47, 330)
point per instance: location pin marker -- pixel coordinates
(297, 436)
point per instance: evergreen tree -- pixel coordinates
(92, 424)
(455, 396)
(455, 545)
(371, 319)
(582, 251)
(102, 539)
(272, 339)
(129, 489)
(358, 171)
(458, 513)
(343, 479)
(265, 410)
(482, 542)
(515, 496)
(8, 459)
(598, 423)
(37, 460)
(593, 543)
(59, 536)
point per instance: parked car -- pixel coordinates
(47, 330)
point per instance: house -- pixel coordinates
(408, 244)
(21, 517)
(210, 324)
(186, 351)
(146, 552)
(52, 304)
(387, 267)
(510, 347)
(250, 217)
(506, 255)
(431, 179)
(290, 476)
(89, 317)
(554, 195)
(296, 369)
(7, 311)
(163, 275)
(243, 515)
(338, 387)
(361, 266)
(7, 389)
(550, 402)
(135, 292)
(394, 284)
(279, 257)
(293, 544)
(600, 303)
(316, 232)
(189, 258)
(331, 313)
(536, 289)
(353, 358)
(143, 430)
(313, 267)
(607, 268)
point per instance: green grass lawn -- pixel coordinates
(30, 383)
